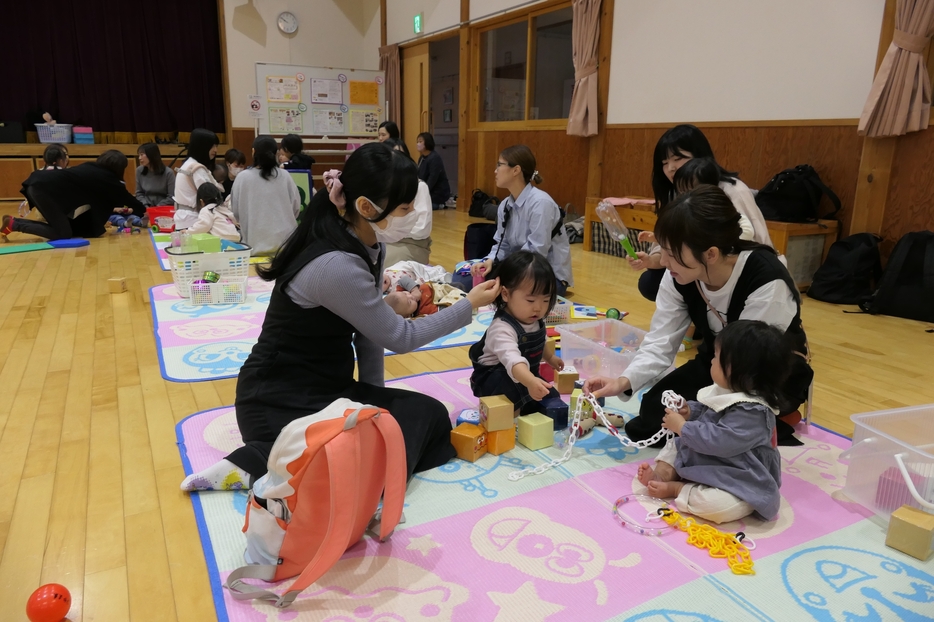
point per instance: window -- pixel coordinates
(514, 89)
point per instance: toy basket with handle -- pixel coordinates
(229, 265)
(224, 292)
(58, 133)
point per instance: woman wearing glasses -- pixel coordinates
(528, 219)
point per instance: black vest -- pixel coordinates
(762, 267)
(531, 345)
(303, 359)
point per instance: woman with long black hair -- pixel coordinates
(327, 306)
(198, 169)
(155, 182)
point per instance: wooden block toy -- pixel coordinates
(496, 413)
(206, 242)
(911, 531)
(536, 431)
(580, 385)
(550, 347)
(117, 285)
(546, 371)
(501, 441)
(555, 409)
(566, 379)
(469, 415)
(469, 441)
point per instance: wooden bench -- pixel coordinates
(792, 239)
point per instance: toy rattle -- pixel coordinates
(615, 227)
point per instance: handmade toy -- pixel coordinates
(469, 415)
(566, 379)
(469, 441)
(501, 441)
(496, 413)
(555, 409)
(117, 285)
(911, 531)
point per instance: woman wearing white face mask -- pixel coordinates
(417, 245)
(326, 306)
(265, 200)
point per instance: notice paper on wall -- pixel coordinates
(326, 91)
(364, 93)
(327, 121)
(285, 120)
(364, 122)
(282, 89)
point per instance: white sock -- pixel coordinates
(223, 475)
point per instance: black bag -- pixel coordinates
(482, 205)
(794, 196)
(907, 286)
(850, 271)
(478, 240)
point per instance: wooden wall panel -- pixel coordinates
(12, 173)
(756, 153)
(561, 160)
(910, 204)
(243, 140)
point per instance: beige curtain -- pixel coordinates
(585, 37)
(900, 99)
(389, 64)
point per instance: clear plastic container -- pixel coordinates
(599, 348)
(891, 462)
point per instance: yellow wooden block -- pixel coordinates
(117, 285)
(501, 441)
(911, 531)
(536, 431)
(469, 441)
(549, 347)
(496, 413)
(575, 395)
(566, 379)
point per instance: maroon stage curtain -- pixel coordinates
(115, 65)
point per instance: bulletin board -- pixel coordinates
(320, 101)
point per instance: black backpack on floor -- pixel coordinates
(482, 205)
(907, 286)
(850, 271)
(794, 196)
(479, 238)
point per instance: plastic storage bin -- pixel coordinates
(58, 133)
(891, 462)
(599, 348)
(224, 292)
(230, 265)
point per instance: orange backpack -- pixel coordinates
(326, 474)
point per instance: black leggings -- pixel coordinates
(649, 282)
(58, 227)
(425, 424)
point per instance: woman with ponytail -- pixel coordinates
(713, 278)
(325, 307)
(198, 169)
(265, 200)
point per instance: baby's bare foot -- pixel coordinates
(664, 490)
(646, 474)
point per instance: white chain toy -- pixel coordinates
(670, 399)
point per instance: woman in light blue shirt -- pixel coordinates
(528, 219)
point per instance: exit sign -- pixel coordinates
(418, 23)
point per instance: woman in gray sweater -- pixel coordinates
(155, 182)
(265, 200)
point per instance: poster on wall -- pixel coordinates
(327, 122)
(326, 91)
(283, 89)
(364, 121)
(285, 120)
(364, 93)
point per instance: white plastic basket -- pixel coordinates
(891, 462)
(230, 265)
(600, 347)
(224, 292)
(561, 314)
(58, 133)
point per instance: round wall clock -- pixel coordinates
(287, 22)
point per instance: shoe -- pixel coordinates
(7, 227)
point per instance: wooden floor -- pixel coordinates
(89, 465)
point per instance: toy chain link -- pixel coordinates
(717, 543)
(670, 399)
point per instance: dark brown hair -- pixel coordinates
(521, 156)
(155, 158)
(113, 161)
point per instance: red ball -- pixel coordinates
(50, 603)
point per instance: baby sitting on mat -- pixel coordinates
(420, 273)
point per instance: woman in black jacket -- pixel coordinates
(431, 171)
(76, 202)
